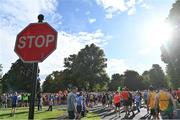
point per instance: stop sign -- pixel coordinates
(36, 42)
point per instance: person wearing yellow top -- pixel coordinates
(151, 102)
(165, 103)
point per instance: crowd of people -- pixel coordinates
(15, 99)
(161, 102)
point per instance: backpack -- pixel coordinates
(165, 104)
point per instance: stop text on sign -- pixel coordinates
(37, 41)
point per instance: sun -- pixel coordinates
(158, 33)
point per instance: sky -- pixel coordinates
(129, 31)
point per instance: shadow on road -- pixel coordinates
(145, 117)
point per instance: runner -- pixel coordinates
(104, 100)
(151, 102)
(4, 100)
(72, 103)
(83, 112)
(137, 101)
(125, 95)
(79, 105)
(145, 95)
(130, 103)
(14, 103)
(178, 95)
(110, 100)
(40, 101)
(91, 100)
(164, 101)
(117, 102)
(50, 102)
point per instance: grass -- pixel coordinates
(22, 114)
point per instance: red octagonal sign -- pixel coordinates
(36, 42)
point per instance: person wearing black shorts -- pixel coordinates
(117, 102)
(130, 102)
(14, 103)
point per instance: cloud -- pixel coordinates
(71, 44)
(108, 16)
(25, 11)
(144, 5)
(116, 66)
(112, 7)
(92, 20)
(131, 3)
(15, 15)
(132, 11)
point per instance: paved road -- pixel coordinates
(109, 114)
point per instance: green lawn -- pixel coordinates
(58, 112)
(22, 113)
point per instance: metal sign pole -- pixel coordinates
(33, 93)
(34, 84)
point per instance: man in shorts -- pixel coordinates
(151, 102)
(130, 103)
(125, 96)
(14, 103)
(72, 103)
(117, 102)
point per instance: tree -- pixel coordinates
(55, 81)
(157, 76)
(116, 81)
(1, 78)
(170, 52)
(19, 77)
(86, 70)
(146, 79)
(132, 80)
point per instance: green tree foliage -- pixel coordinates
(170, 52)
(155, 76)
(1, 70)
(146, 79)
(133, 80)
(86, 70)
(19, 77)
(55, 81)
(116, 81)
(1, 78)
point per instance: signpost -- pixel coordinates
(34, 44)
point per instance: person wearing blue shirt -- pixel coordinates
(137, 101)
(14, 103)
(79, 104)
